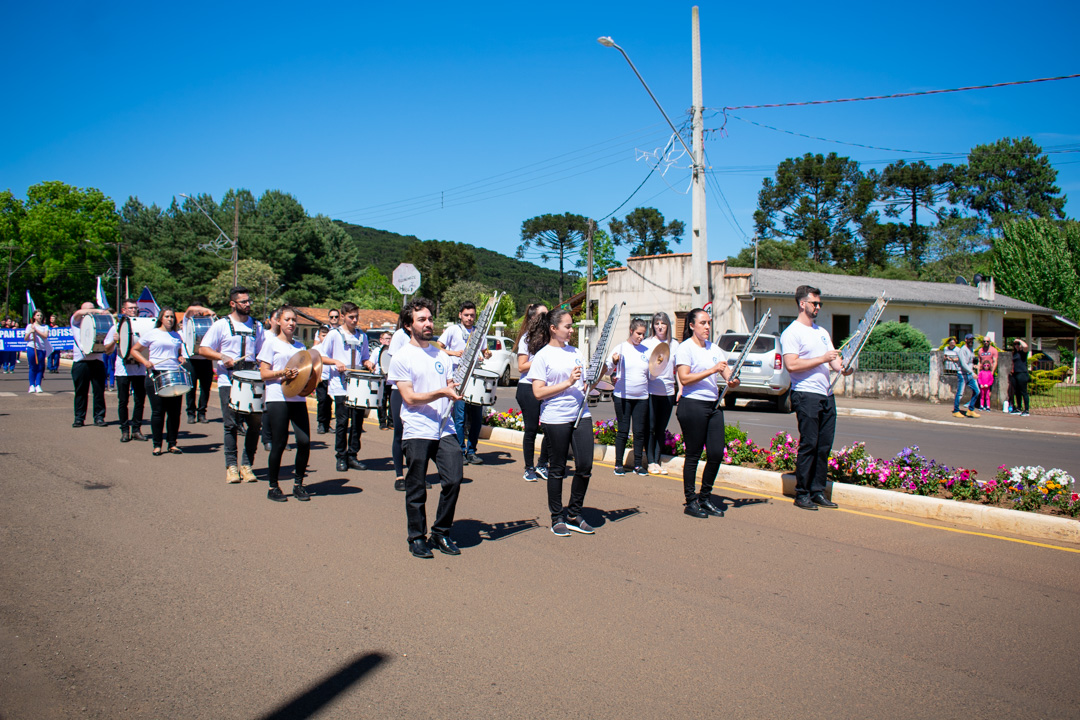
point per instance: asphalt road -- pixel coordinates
(136, 587)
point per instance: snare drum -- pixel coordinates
(171, 383)
(363, 389)
(92, 332)
(605, 389)
(192, 333)
(246, 393)
(594, 398)
(480, 389)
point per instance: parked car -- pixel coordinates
(503, 360)
(763, 375)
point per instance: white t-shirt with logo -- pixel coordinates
(335, 346)
(808, 342)
(663, 384)
(455, 338)
(163, 348)
(398, 340)
(428, 369)
(225, 336)
(632, 373)
(120, 369)
(523, 349)
(699, 359)
(553, 365)
(276, 352)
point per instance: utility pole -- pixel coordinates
(7, 295)
(588, 271)
(117, 306)
(699, 260)
(236, 236)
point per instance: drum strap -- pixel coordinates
(244, 335)
(352, 363)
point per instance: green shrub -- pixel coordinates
(897, 337)
(733, 432)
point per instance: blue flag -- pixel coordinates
(102, 302)
(148, 307)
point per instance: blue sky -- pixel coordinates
(459, 121)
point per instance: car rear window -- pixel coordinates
(733, 342)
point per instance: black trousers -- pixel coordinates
(125, 388)
(660, 407)
(386, 418)
(87, 375)
(1019, 385)
(448, 461)
(702, 426)
(230, 418)
(164, 415)
(202, 374)
(562, 437)
(630, 412)
(277, 414)
(395, 445)
(350, 423)
(816, 415)
(530, 414)
(324, 404)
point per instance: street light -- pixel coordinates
(606, 41)
(233, 244)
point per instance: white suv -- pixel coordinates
(503, 361)
(763, 375)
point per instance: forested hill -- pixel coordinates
(524, 281)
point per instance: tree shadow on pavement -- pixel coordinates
(312, 701)
(598, 518)
(335, 486)
(203, 449)
(470, 533)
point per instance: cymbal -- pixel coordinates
(658, 359)
(302, 362)
(316, 372)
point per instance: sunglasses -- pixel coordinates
(814, 303)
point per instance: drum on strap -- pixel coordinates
(363, 389)
(246, 393)
(192, 333)
(171, 383)
(384, 360)
(605, 389)
(127, 334)
(481, 387)
(92, 332)
(594, 398)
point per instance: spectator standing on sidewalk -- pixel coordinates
(1019, 379)
(965, 378)
(988, 354)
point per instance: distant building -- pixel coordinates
(309, 318)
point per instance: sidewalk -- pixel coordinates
(941, 413)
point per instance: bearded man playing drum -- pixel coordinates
(343, 347)
(87, 370)
(234, 341)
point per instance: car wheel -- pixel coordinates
(729, 401)
(783, 403)
(504, 379)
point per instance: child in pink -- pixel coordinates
(986, 381)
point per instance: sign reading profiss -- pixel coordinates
(406, 279)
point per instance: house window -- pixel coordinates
(904, 319)
(958, 331)
(841, 328)
(785, 320)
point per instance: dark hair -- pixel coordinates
(530, 316)
(540, 331)
(688, 329)
(667, 321)
(284, 309)
(129, 301)
(467, 305)
(416, 304)
(237, 291)
(347, 307)
(161, 316)
(803, 290)
(639, 323)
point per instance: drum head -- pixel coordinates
(604, 386)
(249, 375)
(384, 361)
(125, 338)
(92, 331)
(487, 374)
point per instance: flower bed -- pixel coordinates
(1029, 488)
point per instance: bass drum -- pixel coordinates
(480, 389)
(192, 333)
(171, 383)
(128, 333)
(92, 332)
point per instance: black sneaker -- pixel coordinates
(99, 423)
(640, 470)
(300, 492)
(473, 459)
(805, 503)
(399, 485)
(693, 509)
(708, 508)
(620, 470)
(77, 423)
(202, 417)
(275, 494)
(191, 419)
(579, 525)
(560, 529)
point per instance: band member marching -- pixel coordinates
(556, 375)
(159, 351)
(343, 348)
(662, 389)
(530, 406)
(400, 339)
(202, 374)
(455, 338)
(279, 410)
(423, 376)
(697, 363)
(87, 372)
(323, 401)
(234, 341)
(385, 421)
(629, 364)
(130, 380)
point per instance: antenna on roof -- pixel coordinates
(961, 280)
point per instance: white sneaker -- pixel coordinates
(31, 389)
(38, 388)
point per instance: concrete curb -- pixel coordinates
(893, 415)
(983, 517)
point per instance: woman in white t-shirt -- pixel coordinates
(530, 406)
(398, 340)
(37, 349)
(556, 374)
(279, 411)
(662, 390)
(629, 365)
(159, 351)
(697, 363)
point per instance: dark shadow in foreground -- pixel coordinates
(598, 518)
(318, 696)
(725, 502)
(470, 533)
(335, 486)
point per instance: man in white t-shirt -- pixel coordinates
(346, 348)
(455, 338)
(87, 372)
(808, 356)
(423, 375)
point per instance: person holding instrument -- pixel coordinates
(346, 348)
(37, 348)
(662, 389)
(159, 351)
(629, 365)
(698, 362)
(279, 411)
(530, 406)
(130, 380)
(556, 374)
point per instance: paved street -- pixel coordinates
(143, 587)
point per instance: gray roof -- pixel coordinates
(782, 283)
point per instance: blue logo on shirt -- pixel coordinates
(644, 357)
(439, 367)
(577, 361)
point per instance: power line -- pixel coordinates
(828, 140)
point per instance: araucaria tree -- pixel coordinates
(818, 199)
(645, 230)
(553, 236)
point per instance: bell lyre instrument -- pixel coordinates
(849, 353)
(596, 362)
(475, 345)
(745, 351)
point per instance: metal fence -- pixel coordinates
(894, 362)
